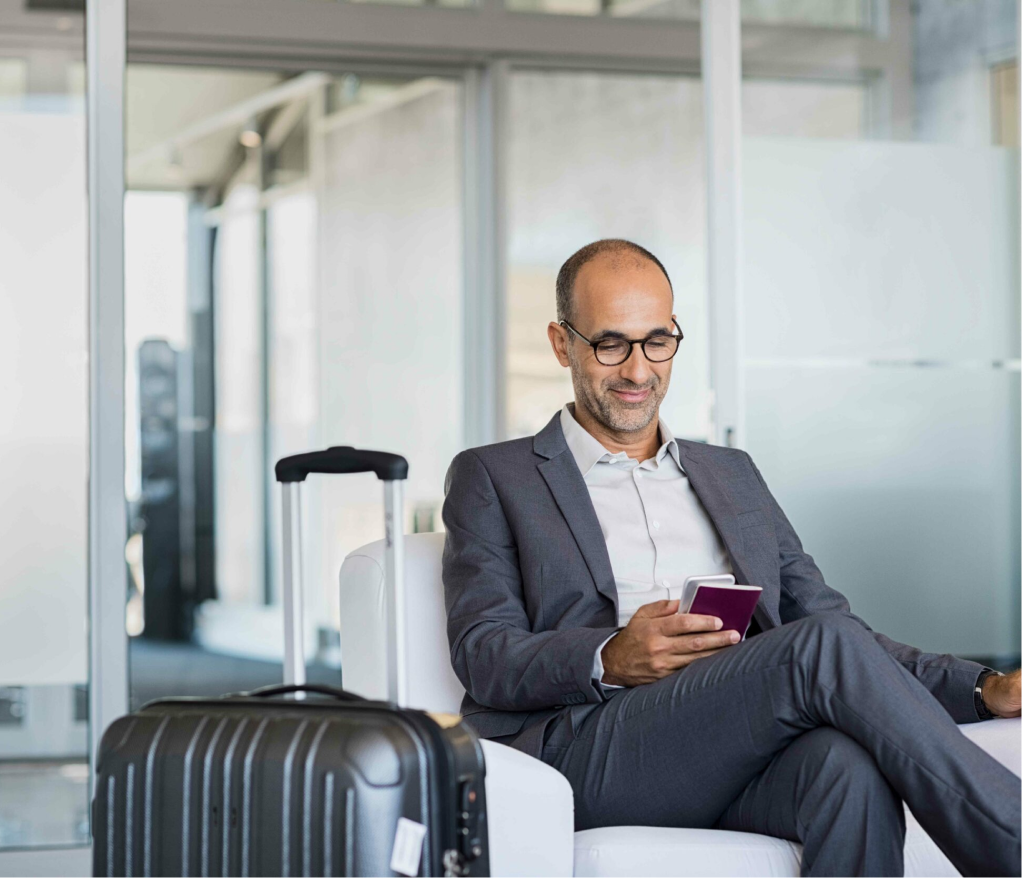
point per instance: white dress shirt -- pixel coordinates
(657, 531)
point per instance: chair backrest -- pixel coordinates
(432, 684)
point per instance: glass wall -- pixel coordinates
(603, 156)
(319, 222)
(44, 432)
(882, 314)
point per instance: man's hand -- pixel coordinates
(657, 641)
(1000, 694)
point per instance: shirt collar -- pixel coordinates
(588, 451)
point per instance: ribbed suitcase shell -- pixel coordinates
(252, 786)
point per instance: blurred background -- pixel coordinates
(342, 223)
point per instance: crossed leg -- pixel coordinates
(825, 791)
(808, 731)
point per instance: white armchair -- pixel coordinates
(530, 805)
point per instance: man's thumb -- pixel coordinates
(657, 609)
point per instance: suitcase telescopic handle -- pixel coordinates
(331, 691)
(342, 459)
(392, 470)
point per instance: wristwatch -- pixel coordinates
(981, 708)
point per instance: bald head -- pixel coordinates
(615, 253)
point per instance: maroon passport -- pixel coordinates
(733, 606)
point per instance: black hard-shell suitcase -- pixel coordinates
(296, 779)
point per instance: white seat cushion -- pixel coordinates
(655, 851)
(671, 853)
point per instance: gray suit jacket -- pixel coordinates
(530, 592)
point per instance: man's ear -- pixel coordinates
(559, 341)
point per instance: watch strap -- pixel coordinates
(982, 711)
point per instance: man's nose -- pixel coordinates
(636, 368)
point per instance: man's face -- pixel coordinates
(618, 294)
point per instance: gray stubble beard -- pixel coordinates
(602, 408)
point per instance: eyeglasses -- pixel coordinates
(614, 351)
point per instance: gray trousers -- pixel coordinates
(809, 732)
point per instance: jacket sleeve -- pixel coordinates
(949, 679)
(500, 661)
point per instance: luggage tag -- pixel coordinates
(407, 851)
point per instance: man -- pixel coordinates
(814, 728)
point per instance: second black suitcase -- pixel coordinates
(295, 779)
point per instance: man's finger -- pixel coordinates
(681, 660)
(690, 643)
(657, 608)
(687, 623)
(695, 656)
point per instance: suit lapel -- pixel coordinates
(572, 496)
(718, 506)
(561, 474)
(716, 502)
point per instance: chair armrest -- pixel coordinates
(531, 815)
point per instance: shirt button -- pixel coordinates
(638, 474)
(666, 584)
(656, 524)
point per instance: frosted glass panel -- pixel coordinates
(44, 427)
(44, 442)
(881, 250)
(903, 485)
(578, 171)
(881, 344)
(881, 370)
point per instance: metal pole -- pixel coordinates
(1017, 408)
(394, 568)
(722, 90)
(294, 605)
(485, 136)
(108, 640)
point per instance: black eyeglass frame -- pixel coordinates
(632, 342)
